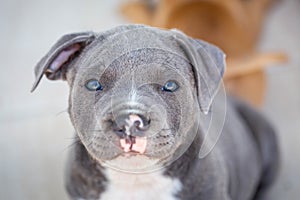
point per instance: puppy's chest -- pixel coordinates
(152, 186)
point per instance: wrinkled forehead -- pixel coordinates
(137, 46)
(139, 51)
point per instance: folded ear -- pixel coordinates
(55, 63)
(208, 63)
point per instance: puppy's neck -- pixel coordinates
(128, 186)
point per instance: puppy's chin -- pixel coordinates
(133, 163)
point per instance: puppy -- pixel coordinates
(152, 120)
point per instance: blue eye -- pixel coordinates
(93, 85)
(170, 86)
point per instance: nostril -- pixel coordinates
(145, 121)
(137, 123)
(120, 131)
(148, 121)
(142, 123)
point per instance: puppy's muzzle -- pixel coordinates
(131, 127)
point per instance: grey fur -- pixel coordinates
(132, 62)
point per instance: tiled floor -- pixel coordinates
(34, 128)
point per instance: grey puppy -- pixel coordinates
(138, 101)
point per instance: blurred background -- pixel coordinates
(35, 130)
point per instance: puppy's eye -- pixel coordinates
(93, 85)
(170, 86)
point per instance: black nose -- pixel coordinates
(131, 124)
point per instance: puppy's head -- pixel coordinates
(135, 92)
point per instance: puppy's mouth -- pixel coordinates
(133, 144)
(130, 142)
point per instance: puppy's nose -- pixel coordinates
(131, 125)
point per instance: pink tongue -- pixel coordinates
(139, 145)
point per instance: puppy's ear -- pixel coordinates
(55, 63)
(208, 63)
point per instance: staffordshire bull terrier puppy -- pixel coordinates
(152, 120)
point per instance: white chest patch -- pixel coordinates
(151, 186)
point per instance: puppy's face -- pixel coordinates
(137, 107)
(135, 92)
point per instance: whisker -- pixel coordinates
(99, 130)
(76, 141)
(62, 112)
(166, 129)
(90, 143)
